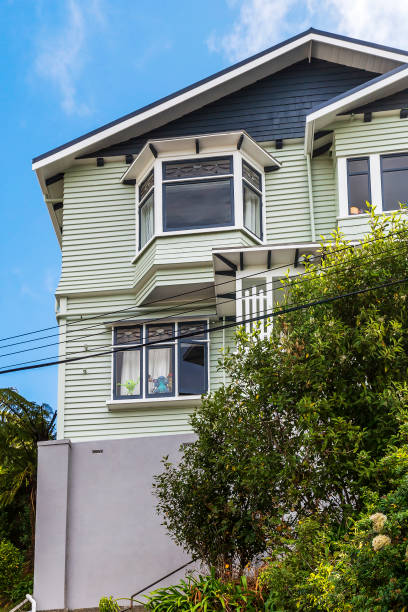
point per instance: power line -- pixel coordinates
(218, 328)
(293, 280)
(177, 295)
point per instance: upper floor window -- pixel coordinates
(146, 209)
(358, 184)
(198, 194)
(165, 368)
(394, 175)
(252, 196)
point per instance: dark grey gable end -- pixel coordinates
(270, 109)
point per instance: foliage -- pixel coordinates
(108, 604)
(22, 425)
(11, 570)
(207, 593)
(309, 411)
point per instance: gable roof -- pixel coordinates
(311, 43)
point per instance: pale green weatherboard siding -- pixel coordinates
(354, 137)
(287, 195)
(88, 382)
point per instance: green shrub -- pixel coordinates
(11, 570)
(20, 589)
(108, 604)
(207, 593)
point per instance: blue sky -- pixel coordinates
(68, 66)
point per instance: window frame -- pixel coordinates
(195, 180)
(140, 205)
(249, 185)
(382, 171)
(175, 345)
(366, 173)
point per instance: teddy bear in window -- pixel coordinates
(161, 384)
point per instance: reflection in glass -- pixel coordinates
(192, 375)
(395, 189)
(252, 210)
(146, 216)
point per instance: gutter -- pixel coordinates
(311, 204)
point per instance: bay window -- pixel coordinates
(164, 368)
(198, 194)
(358, 183)
(252, 198)
(394, 174)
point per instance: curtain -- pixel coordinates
(130, 373)
(160, 370)
(147, 220)
(252, 211)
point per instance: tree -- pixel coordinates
(22, 425)
(309, 411)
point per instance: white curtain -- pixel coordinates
(252, 211)
(160, 370)
(130, 373)
(147, 220)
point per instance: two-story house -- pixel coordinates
(173, 221)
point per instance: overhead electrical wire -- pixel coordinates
(217, 328)
(317, 256)
(292, 280)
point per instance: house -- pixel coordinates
(175, 223)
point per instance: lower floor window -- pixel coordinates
(167, 367)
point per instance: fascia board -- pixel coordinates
(324, 116)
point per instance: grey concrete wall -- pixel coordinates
(115, 544)
(51, 525)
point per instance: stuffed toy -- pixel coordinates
(161, 385)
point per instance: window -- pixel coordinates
(198, 194)
(358, 182)
(146, 210)
(164, 368)
(394, 175)
(252, 196)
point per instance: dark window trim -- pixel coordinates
(173, 362)
(119, 327)
(258, 193)
(368, 173)
(205, 180)
(382, 170)
(196, 160)
(206, 361)
(117, 396)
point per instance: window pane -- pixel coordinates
(357, 165)
(146, 216)
(196, 326)
(395, 189)
(127, 335)
(192, 369)
(146, 185)
(195, 205)
(127, 373)
(391, 162)
(160, 332)
(252, 210)
(199, 167)
(160, 371)
(358, 193)
(251, 175)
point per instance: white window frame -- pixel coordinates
(375, 182)
(144, 349)
(237, 158)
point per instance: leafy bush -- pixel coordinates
(308, 413)
(207, 593)
(108, 604)
(21, 587)
(11, 570)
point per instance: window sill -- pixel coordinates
(154, 402)
(377, 214)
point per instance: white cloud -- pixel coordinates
(61, 55)
(262, 23)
